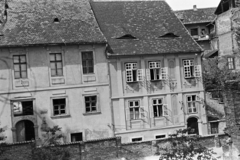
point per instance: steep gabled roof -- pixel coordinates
(31, 22)
(153, 24)
(200, 15)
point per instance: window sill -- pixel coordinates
(133, 82)
(162, 117)
(91, 113)
(136, 120)
(61, 116)
(193, 113)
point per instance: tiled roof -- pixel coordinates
(201, 15)
(142, 27)
(30, 22)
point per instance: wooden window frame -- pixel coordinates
(89, 68)
(135, 109)
(55, 63)
(20, 65)
(192, 106)
(90, 104)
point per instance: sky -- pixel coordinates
(188, 4)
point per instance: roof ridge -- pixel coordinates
(197, 9)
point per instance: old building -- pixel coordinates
(53, 71)
(155, 70)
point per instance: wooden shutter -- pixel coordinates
(163, 74)
(142, 113)
(140, 75)
(148, 74)
(197, 71)
(165, 110)
(127, 115)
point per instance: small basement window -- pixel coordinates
(75, 137)
(56, 20)
(139, 139)
(160, 136)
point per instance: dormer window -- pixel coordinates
(169, 35)
(56, 20)
(127, 36)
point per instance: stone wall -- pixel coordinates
(103, 149)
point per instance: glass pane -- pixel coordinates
(188, 98)
(22, 59)
(56, 113)
(17, 74)
(53, 72)
(94, 108)
(87, 104)
(59, 57)
(87, 99)
(193, 98)
(23, 67)
(59, 72)
(24, 75)
(52, 57)
(84, 70)
(62, 107)
(91, 70)
(15, 59)
(16, 68)
(90, 55)
(52, 65)
(93, 104)
(84, 63)
(63, 112)
(90, 63)
(136, 103)
(131, 103)
(154, 101)
(59, 64)
(93, 98)
(159, 101)
(88, 109)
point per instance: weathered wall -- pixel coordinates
(110, 149)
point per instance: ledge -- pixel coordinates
(62, 116)
(92, 113)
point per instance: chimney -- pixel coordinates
(195, 7)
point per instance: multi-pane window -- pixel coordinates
(59, 106)
(131, 72)
(91, 104)
(192, 104)
(20, 66)
(231, 64)
(190, 70)
(22, 108)
(194, 31)
(87, 62)
(75, 137)
(56, 64)
(214, 127)
(155, 70)
(159, 109)
(134, 108)
(139, 139)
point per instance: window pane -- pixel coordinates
(24, 75)
(94, 108)
(136, 103)
(52, 57)
(52, 65)
(59, 57)
(53, 72)
(23, 67)
(88, 109)
(56, 113)
(23, 59)
(15, 59)
(84, 55)
(130, 103)
(59, 72)
(63, 112)
(84, 70)
(59, 64)
(91, 70)
(16, 68)
(17, 74)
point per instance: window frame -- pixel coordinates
(93, 63)
(160, 135)
(96, 105)
(131, 71)
(67, 112)
(231, 66)
(157, 100)
(134, 107)
(191, 103)
(190, 68)
(211, 127)
(22, 100)
(136, 138)
(155, 66)
(76, 133)
(19, 64)
(55, 64)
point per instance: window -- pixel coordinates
(56, 64)
(191, 104)
(59, 106)
(139, 139)
(159, 109)
(191, 70)
(231, 64)
(134, 109)
(87, 62)
(160, 136)
(194, 31)
(22, 108)
(214, 127)
(75, 137)
(132, 73)
(20, 66)
(154, 70)
(91, 104)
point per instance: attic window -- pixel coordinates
(56, 20)
(127, 36)
(168, 35)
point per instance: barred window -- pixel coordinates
(20, 66)
(56, 64)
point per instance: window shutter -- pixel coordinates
(140, 75)
(142, 112)
(17, 108)
(127, 115)
(165, 110)
(148, 74)
(197, 71)
(163, 74)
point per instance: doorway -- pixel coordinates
(25, 131)
(192, 123)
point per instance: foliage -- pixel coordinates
(184, 147)
(50, 148)
(2, 143)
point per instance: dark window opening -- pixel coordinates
(87, 62)
(157, 107)
(56, 20)
(59, 106)
(169, 35)
(56, 64)
(25, 131)
(225, 6)
(137, 139)
(194, 31)
(214, 127)
(160, 136)
(127, 36)
(192, 124)
(75, 137)
(22, 108)
(91, 104)
(20, 66)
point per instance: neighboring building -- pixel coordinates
(53, 71)
(155, 70)
(200, 24)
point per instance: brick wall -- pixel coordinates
(110, 149)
